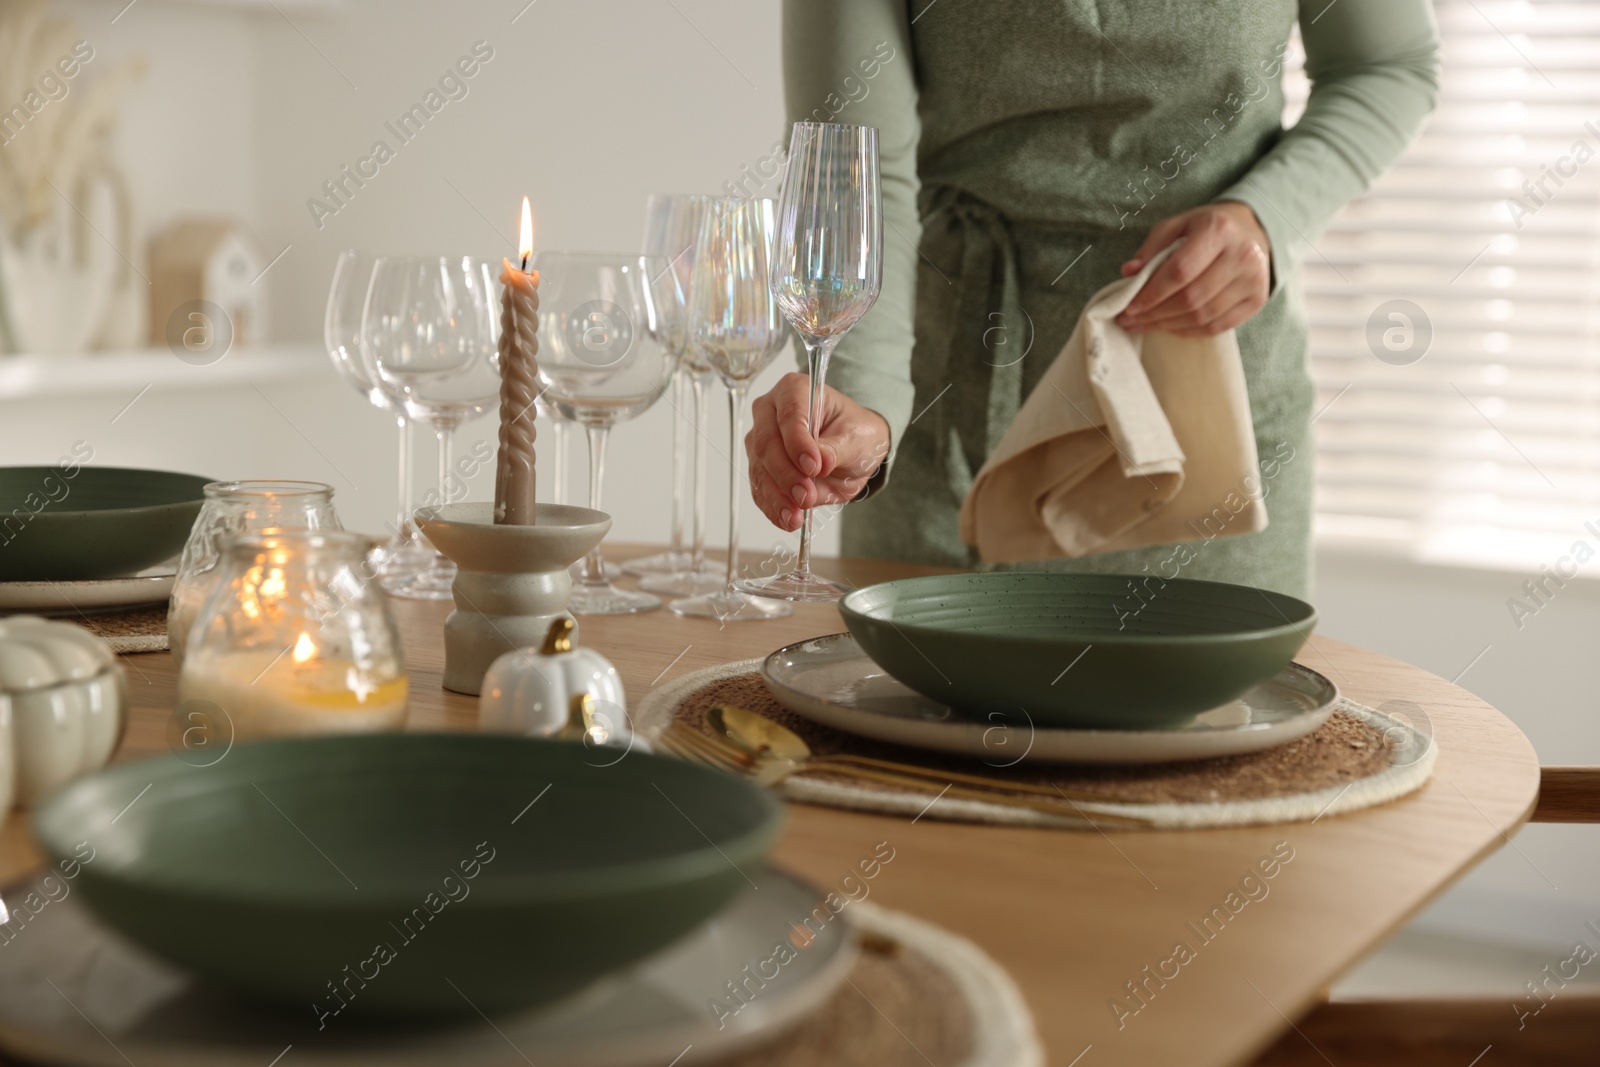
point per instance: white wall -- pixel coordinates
(585, 108)
(187, 137)
(1545, 676)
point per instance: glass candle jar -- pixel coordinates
(296, 638)
(234, 508)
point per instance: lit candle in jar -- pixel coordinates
(294, 692)
(295, 643)
(519, 384)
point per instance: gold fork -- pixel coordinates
(692, 745)
(753, 734)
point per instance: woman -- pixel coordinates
(1033, 151)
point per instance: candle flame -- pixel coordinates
(304, 648)
(525, 240)
(274, 586)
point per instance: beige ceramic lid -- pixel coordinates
(38, 653)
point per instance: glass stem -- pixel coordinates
(558, 478)
(697, 557)
(405, 531)
(817, 353)
(447, 437)
(680, 472)
(736, 393)
(594, 565)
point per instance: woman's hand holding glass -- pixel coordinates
(790, 470)
(826, 266)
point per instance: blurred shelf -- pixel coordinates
(305, 7)
(24, 377)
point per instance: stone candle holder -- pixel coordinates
(511, 581)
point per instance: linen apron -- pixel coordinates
(1045, 159)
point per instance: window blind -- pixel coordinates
(1454, 307)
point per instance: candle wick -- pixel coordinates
(524, 264)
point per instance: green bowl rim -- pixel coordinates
(1302, 627)
(61, 513)
(515, 891)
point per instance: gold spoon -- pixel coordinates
(783, 752)
(754, 733)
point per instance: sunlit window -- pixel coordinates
(1454, 309)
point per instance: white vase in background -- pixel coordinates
(59, 276)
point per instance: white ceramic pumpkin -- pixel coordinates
(63, 704)
(533, 691)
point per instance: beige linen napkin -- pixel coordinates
(1128, 440)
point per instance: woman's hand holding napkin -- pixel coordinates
(1128, 440)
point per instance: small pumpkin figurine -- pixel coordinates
(537, 692)
(63, 704)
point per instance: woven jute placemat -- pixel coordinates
(1358, 758)
(918, 994)
(137, 630)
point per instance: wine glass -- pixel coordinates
(405, 553)
(603, 359)
(826, 269)
(664, 216)
(674, 229)
(558, 453)
(736, 327)
(430, 332)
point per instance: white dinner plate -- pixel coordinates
(149, 586)
(72, 992)
(830, 681)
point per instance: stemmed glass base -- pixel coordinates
(709, 578)
(603, 598)
(425, 573)
(611, 570)
(407, 555)
(403, 561)
(660, 563)
(798, 586)
(729, 606)
(413, 569)
(432, 583)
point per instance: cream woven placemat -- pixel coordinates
(918, 994)
(1359, 758)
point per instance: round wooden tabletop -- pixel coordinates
(1084, 921)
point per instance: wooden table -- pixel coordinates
(1076, 916)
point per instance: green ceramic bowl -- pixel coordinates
(1089, 651)
(96, 522)
(419, 873)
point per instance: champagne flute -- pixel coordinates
(826, 270)
(736, 328)
(664, 225)
(602, 360)
(406, 553)
(558, 455)
(676, 231)
(430, 331)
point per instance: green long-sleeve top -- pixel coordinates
(1104, 115)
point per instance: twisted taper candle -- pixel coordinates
(519, 387)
